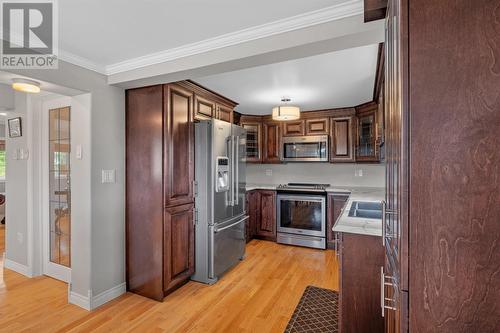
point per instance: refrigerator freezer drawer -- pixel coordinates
(229, 246)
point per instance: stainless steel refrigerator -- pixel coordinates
(220, 215)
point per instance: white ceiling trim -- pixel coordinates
(80, 61)
(343, 10)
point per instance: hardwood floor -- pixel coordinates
(259, 295)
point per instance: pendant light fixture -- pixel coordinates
(25, 85)
(286, 112)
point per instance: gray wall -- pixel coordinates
(107, 228)
(6, 97)
(334, 174)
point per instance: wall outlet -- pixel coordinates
(358, 173)
(108, 176)
(20, 237)
(269, 172)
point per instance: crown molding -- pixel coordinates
(324, 15)
(81, 61)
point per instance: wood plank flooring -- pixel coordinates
(259, 295)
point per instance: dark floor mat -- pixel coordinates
(316, 312)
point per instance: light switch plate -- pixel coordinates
(78, 152)
(109, 176)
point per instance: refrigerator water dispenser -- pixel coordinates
(222, 170)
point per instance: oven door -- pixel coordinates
(301, 214)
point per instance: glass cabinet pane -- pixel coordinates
(366, 145)
(253, 144)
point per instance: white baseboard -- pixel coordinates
(108, 295)
(90, 302)
(17, 267)
(80, 300)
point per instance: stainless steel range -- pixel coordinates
(301, 214)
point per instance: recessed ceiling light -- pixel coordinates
(26, 85)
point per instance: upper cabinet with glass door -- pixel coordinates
(367, 149)
(254, 142)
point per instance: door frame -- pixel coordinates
(53, 270)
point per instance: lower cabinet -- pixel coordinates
(361, 257)
(178, 240)
(261, 208)
(335, 204)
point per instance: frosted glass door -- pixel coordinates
(60, 186)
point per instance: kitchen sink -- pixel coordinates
(366, 209)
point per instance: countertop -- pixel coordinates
(344, 223)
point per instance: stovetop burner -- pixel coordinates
(303, 186)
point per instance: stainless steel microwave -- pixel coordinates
(305, 148)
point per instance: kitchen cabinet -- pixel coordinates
(203, 108)
(342, 139)
(178, 233)
(335, 204)
(254, 141)
(361, 257)
(294, 128)
(317, 126)
(253, 211)
(179, 149)
(367, 149)
(272, 142)
(225, 113)
(261, 209)
(159, 182)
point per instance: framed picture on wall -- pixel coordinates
(15, 127)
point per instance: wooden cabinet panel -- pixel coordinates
(144, 212)
(342, 139)
(361, 257)
(272, 142)
(178, 233)
(266, 223)
(224, 113)
(293, 128)
(203, 108)
(254, 142)
(335, 205)
(253, 211)
(318, 126)
(179, 140)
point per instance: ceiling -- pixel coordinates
(332, 80)
(112, 31)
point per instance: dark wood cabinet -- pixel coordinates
(203, 108)
(317, 126)
(361, 257)
(261, 208)
(294, 128)
(178, 239)
(225, 113)
(342, 139)
(266, 225)
(179, 150)
(272, 142)
(253, 211)
(254, 141)
(336, 203)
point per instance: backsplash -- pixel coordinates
(373, 175)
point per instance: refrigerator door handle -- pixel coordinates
(237, 169)
(229, 150)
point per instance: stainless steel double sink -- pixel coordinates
(366, 209)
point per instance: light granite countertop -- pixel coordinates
(344, 223)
